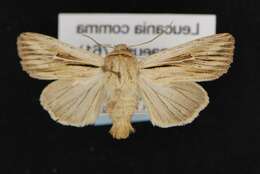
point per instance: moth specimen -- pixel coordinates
(85, 82)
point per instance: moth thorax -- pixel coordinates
(121, 47)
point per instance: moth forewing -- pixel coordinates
(45, 57)
(199, 60)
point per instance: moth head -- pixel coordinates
(121, 47)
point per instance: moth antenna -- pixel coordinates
(96, 42)
(146, 42)
(151, 40)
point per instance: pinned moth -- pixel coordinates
(84, 81)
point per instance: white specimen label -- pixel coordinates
(132, 29)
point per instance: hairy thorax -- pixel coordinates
(121, 88)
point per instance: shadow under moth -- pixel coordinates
(85, 82)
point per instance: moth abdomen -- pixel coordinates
(121, 66)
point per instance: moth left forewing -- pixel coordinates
(199, 60)
(44, 57)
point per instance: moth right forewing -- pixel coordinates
(199, 60)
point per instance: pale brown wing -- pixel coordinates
(44, 57)
(76, 97)
(202, 59)
(174, 104)
(75, 102)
